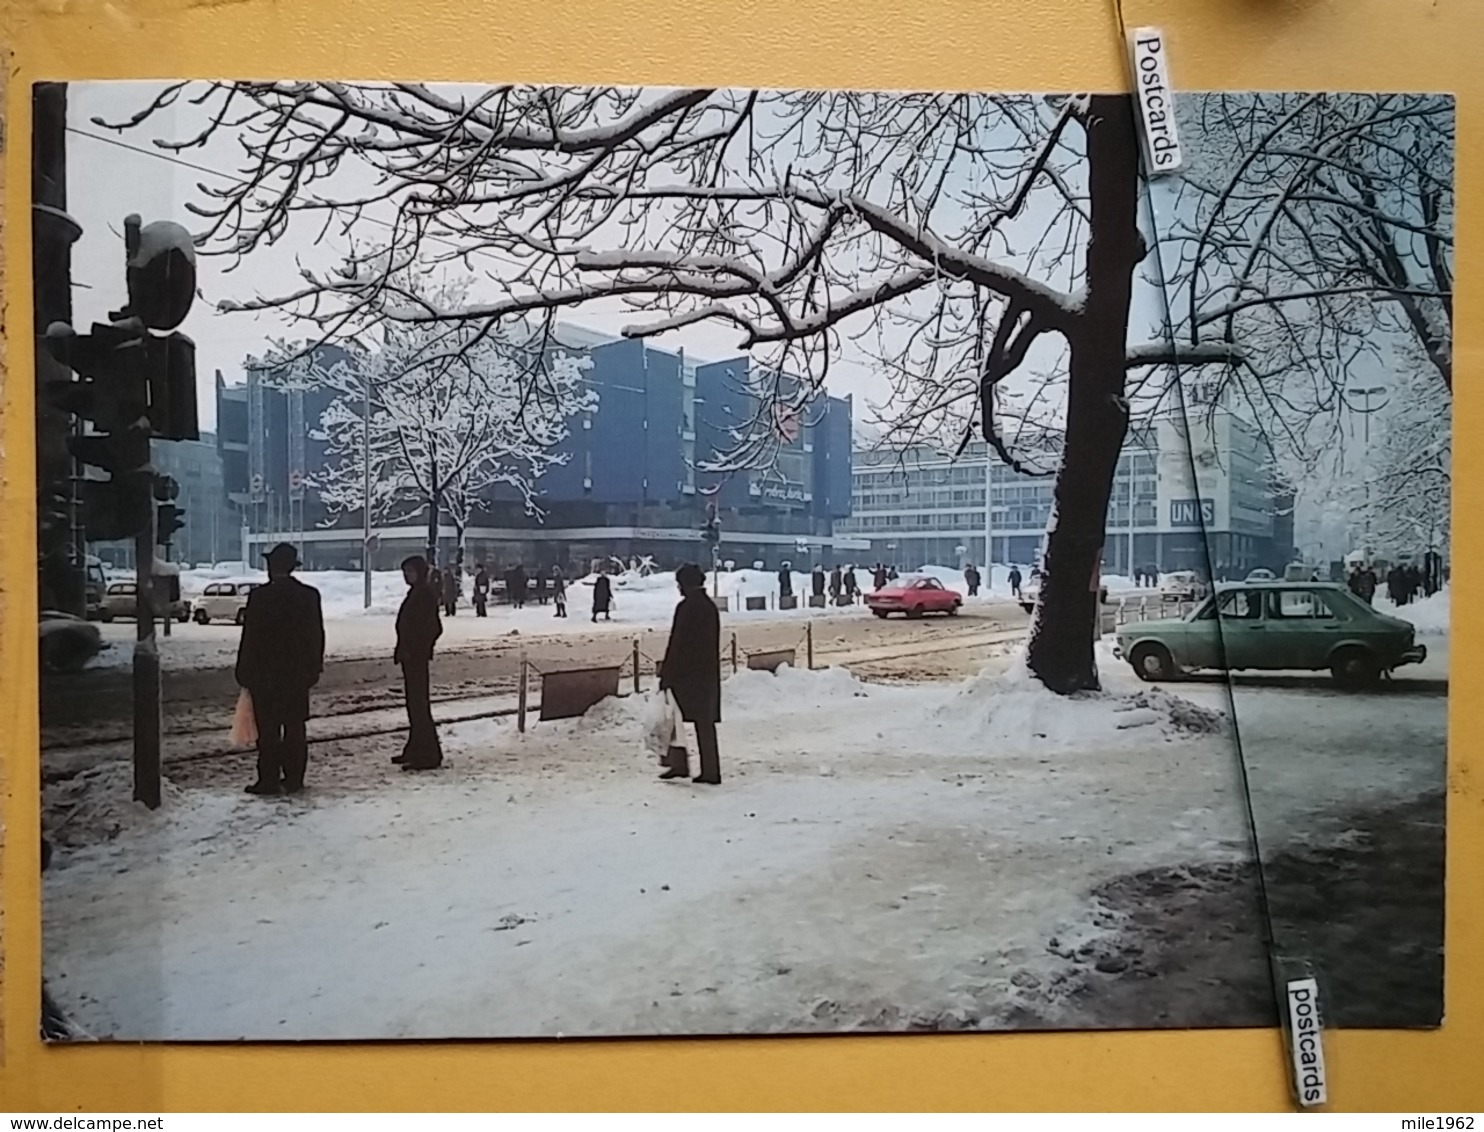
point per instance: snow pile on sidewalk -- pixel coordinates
(1430, 615)
(879, 857)
(96, 805)
(1013, 709)
(755, 692)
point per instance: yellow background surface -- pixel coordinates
(1009, 45)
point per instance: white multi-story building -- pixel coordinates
(1200, 497)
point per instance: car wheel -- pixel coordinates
(881, 613)
(915, 612)
(1355, 668)
(241, 618)
(106, 616)
(1152, 662)
(953, 610)
(183, 617)
(202, 617)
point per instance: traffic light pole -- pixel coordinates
(147, 711)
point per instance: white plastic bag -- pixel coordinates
(665, 729)
(244, 723)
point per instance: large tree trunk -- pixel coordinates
(1061, 644)
(435, 508)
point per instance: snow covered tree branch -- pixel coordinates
(983, 251)
(454, 415)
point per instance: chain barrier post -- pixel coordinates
(734, 652)
(636, 666)
(520, 710)
(809, 643)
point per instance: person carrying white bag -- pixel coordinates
(666, 735)
(691, 674)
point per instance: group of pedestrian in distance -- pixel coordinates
(281, 657)
(1405, 582)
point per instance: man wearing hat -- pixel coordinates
(280, 657)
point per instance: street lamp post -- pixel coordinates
(988, 519)
(366, 489)
(1366, 394)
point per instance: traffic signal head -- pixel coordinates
(116, 508)
(168, 519)
(160, 272)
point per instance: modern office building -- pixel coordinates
(640, 468)
(1197, 497)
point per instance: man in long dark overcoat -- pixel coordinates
(603, 597)
(418, 630)
(279, 658)
(691, 672)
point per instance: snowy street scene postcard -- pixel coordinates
(530, 562)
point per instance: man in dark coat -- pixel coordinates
(1414, 583)
(1015, 580)
(816, 581)
(835, 584)
(418, 630)
(691, 672)
(786, 580)
(971, 580)
(518, 585)
(540, 582)
(878, 577)
(451, 591)
(559, 590)
(279, 658)
(602, 597)
(481, 591)
(851, 587)
(1396, 584)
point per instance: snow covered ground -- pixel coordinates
(352, 630)
(1430, 614)
(878, 857)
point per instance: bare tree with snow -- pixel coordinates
(986, 248)
(454, 414)
(1316, 230)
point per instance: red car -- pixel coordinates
(914, 596)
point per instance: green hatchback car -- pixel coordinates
(1274, 625)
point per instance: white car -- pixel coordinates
(1180, 585)
(121, 600)
(1030, 593)
(223, 601)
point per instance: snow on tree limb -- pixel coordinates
(454, 414)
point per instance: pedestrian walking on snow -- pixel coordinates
(481, 591)
(279, 659)
(418, 630)
(691, 672)
(602, 597)
(452, 584)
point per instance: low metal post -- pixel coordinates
(636, 666)
(809, 644)
(734, 652)
(520, 711)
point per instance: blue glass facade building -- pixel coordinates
(638, 472)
